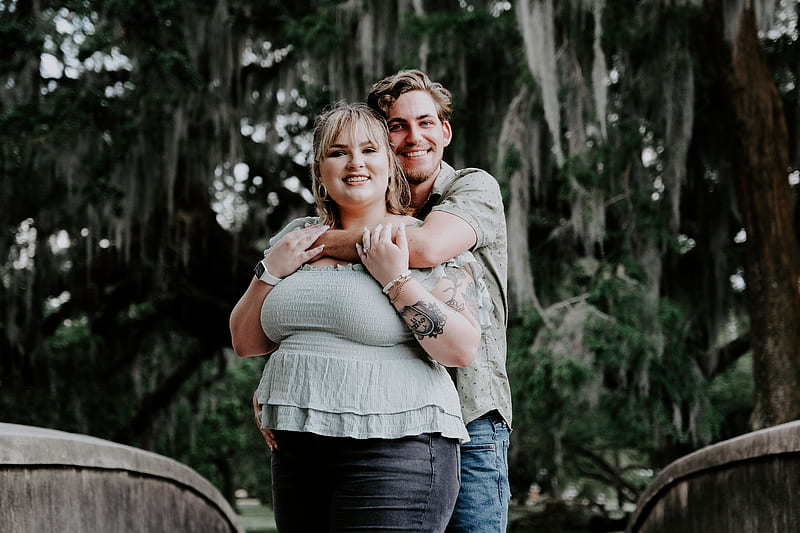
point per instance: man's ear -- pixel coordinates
(448, 132)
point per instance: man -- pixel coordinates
(462, 210)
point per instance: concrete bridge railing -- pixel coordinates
(750, 484)
(56, 481)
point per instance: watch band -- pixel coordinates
(263, 274)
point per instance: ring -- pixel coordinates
(365, 250)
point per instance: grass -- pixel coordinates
(254, 517)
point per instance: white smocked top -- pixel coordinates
(347, 365)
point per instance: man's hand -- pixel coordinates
(269, 437)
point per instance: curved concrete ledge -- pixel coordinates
(56, 481)
(749, 484)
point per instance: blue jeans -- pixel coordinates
(331, 484)
(482, 505)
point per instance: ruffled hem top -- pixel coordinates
(347, 365)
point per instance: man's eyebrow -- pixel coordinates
(420, 117)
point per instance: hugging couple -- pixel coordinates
(384, 398)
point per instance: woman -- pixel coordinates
(364, 418)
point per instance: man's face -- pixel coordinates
(417, 135)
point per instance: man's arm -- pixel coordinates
(442, 236)
(341, 244)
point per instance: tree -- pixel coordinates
(759, 152)
(147, 149)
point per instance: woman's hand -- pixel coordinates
(292, 251)
(384, 252)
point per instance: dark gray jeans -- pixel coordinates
(332, 484)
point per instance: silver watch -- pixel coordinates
(263, 274)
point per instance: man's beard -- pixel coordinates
(417, 177)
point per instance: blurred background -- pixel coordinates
(648, 155)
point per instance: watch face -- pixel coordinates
(260, 268)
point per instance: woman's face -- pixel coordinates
(355, 171)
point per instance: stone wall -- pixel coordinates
(56, 481)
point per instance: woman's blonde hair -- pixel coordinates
(345, 117)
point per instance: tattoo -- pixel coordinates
(457, 277)
(425, 320)
(453, 304)
(471, 300)
(468, 299)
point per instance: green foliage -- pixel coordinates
(610, 386)
(317, 32)
(731, 397)
(483, 41)
(510, 164)
(171, 65)
(71, 336)
(212, 428)
(17, 38)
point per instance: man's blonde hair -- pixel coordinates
(383, 94)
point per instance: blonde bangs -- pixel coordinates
(352, 120)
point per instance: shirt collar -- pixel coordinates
(446, 175)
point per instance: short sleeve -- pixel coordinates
(293, 225)
(475, 197)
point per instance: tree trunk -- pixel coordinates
(760, 162)
(514, 167)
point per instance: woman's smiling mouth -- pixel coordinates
(355, 179)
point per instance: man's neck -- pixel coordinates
(421, 191)
(419, 194)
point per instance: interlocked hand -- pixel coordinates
(384, 252)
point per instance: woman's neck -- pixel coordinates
(369, 219)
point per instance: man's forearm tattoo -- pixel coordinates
(424, 320)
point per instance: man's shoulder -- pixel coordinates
(472, 170)
(450, 173)
(470, 178)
